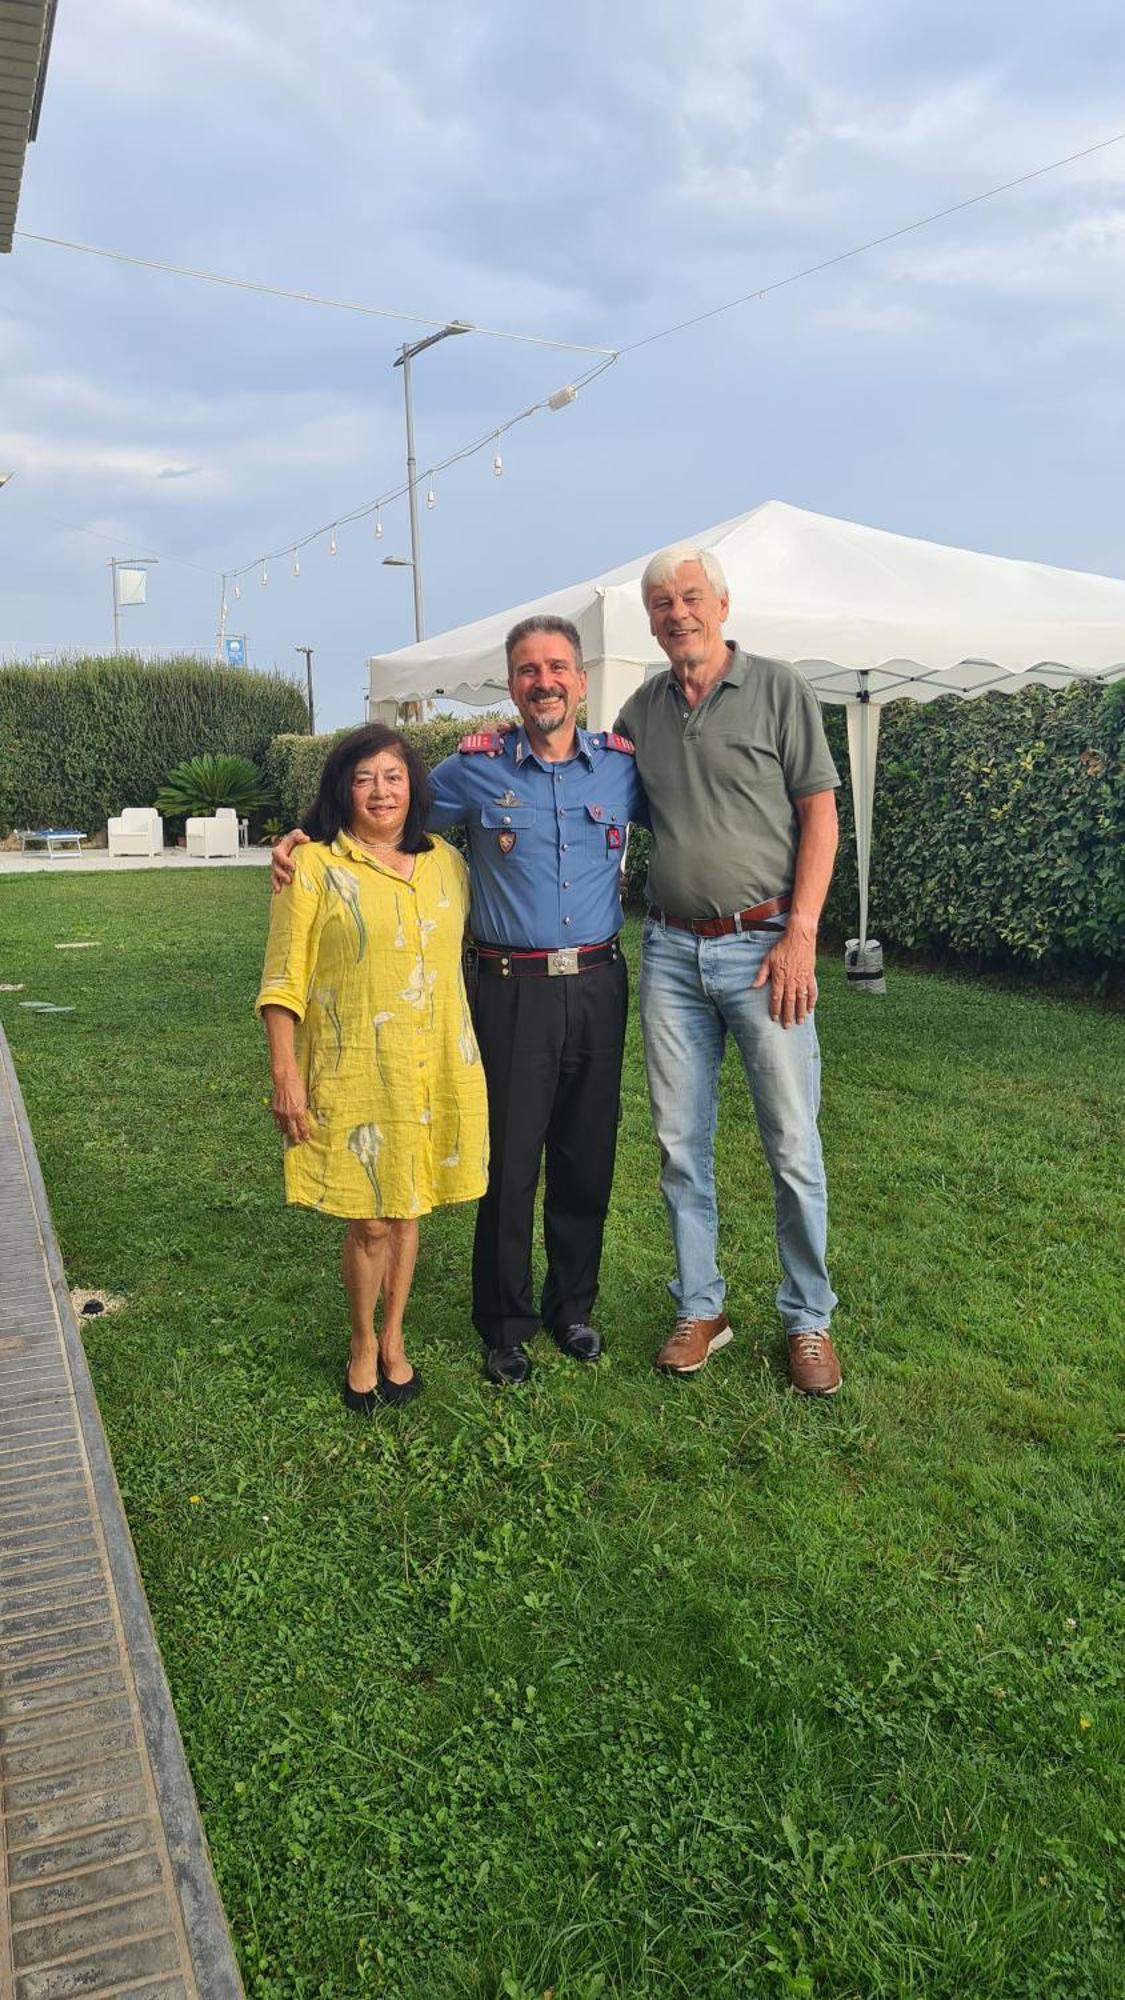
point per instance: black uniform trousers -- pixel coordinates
(552, 1051)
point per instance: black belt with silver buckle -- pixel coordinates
(544, 964)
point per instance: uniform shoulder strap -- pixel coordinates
(614, 742)
(487, 742)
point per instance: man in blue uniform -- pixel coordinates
(546, 809)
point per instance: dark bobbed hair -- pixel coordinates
(331, 810)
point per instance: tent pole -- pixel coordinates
(863, 741)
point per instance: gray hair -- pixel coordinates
(543, 621)
(666, 562)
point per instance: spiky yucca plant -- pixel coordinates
(200, 784)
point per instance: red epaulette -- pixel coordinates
(487, 740)
(613, 742)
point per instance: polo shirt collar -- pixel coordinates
(736, 672)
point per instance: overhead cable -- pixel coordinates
(302, 298)
(873, 243)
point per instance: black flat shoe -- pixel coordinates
(579, 1342)
(399, 1393)
(362, 1401)
(507, 1365)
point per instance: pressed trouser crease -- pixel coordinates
(552, 1051)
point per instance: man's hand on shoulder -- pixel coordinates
(282, 866)
(791, 970)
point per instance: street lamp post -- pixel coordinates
(308, 653)
(403, 361)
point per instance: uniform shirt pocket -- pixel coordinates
(605, 833)
(496, 817)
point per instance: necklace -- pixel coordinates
(378, 846)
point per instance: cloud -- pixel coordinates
(593, 175)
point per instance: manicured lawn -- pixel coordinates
(620, 1686)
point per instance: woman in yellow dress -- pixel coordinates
(378, 1087)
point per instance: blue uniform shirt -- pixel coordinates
(546, 841)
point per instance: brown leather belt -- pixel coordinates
(545, 964)
(745, 920)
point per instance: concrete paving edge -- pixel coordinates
(203, 1915)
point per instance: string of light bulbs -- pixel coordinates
(561, 397)
(291, 550)
(664, 333)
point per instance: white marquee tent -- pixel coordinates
(867, 616)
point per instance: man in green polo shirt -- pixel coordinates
(741, 785)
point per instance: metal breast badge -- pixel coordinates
(506, 838)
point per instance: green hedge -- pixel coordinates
(81, 740)
(999, 828)
(294, 763)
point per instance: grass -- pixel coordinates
(617, 1686)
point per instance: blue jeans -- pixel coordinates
(692, 991)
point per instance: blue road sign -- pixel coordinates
(236, 652)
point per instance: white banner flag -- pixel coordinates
(131, 586)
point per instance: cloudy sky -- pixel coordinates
(589, 174)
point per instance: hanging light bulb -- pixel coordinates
(498, 463)
(296, 563)
(378, 525)
(265, 576)
(431, 497)
(332, 544)
(238, 589)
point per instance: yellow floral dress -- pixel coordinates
(370, 965)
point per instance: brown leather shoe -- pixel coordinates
(692, 1344)
(814, 1366)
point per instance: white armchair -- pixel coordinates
(136, 830)
(214, 839)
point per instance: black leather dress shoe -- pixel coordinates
(579, 1342)
(507, 1364)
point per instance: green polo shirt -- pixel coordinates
(721, 780)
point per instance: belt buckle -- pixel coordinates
(562, 961)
